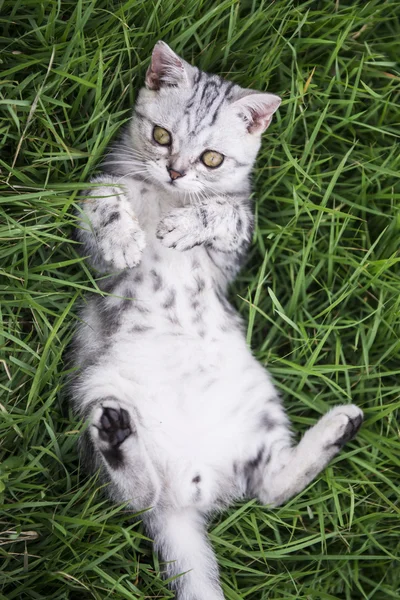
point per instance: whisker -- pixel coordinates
(120, 162)
(130, 174)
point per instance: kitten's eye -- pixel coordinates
(162, 136)
(212, 159)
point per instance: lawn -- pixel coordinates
(320, 291)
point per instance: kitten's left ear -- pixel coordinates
(166, 68)
(257, 109)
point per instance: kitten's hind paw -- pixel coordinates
(111, 427)
(114, 426)
(341, 424)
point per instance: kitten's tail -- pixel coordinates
(180, 539)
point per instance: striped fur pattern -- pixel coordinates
(182, 419)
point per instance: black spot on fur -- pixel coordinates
(267, 422)
(112, 309)
(198, 318)
(252, 471)
(256, 461)
(127, 301)
(114, 216)
(110, 317)
(114, 457)
(204, 217)
(173, 319)
(196, 479)
(139, 328)
(138, 277)
(200, 285)
(157, 280)
(140, 308)
(312, 472)
(274, 400)
(109, 284)
(170, 300)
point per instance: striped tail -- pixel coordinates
(180, 539)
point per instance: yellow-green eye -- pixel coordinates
(162, 136)
(212, 159)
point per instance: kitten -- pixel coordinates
(182, 419)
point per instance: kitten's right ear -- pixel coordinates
(257, 109)
(166, 68)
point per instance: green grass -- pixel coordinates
(321, 290)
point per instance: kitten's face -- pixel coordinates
(194, 132)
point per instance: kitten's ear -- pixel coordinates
(257, 109)
(166, 68)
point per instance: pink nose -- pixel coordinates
(174, 174)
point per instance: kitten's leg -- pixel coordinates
(116, 438)
(179, 534)
(108, 228)
(288, 470)
(180, 538)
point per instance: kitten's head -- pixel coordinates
(195, 132)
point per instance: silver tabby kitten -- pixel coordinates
(182, 419)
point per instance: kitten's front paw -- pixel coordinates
(123, 246)
(180, 229)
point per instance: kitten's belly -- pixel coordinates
(196, 397)
(194, 380)
(200, 403)
(182, 360)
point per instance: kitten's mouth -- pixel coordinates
(171, 183)
(171, 186)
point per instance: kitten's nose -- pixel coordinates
(174, 174)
